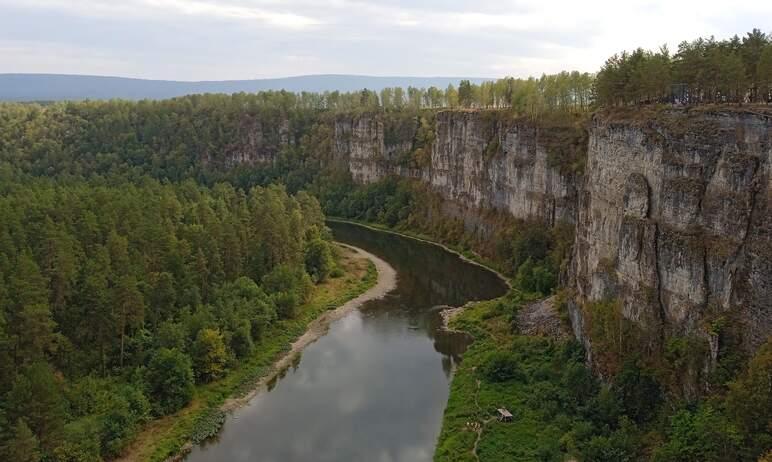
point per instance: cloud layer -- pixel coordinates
(237, 39)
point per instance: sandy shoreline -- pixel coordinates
(463, 257)
(387, 281)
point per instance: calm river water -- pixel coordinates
(373, 388)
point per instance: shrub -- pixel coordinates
(501, 367)
(209, 354)
(318, 259)
(536, 278)
(169, 380)
(207, 425)
(704, 434)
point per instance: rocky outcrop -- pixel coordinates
(675, 221)
(541, 318)
(478, 161)
(255, 143)
(672, 208)
(499, 165)
(672, 213)
(358, 145)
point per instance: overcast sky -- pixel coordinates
(242, 39)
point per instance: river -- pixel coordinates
(374, 387)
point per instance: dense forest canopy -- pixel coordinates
(116, 298)
(701, 71)
(137, 262)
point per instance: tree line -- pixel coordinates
(117, 297)
(705, 70)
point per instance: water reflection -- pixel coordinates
(374, 388)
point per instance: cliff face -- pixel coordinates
(476, 161)
(675, 221)
(672, 213)
(358, 144)
(500, 166)
(255, 142)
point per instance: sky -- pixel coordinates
(245, 39)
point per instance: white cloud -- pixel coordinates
(27, 56)
(232, 11)
(211, 39)
(167, 9)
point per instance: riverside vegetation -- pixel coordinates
(144, 273)
(126, 302)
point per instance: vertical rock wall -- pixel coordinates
(675, 220)
(673, 211)
(477, 161)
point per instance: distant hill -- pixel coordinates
(56, 87)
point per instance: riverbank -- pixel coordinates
(168, 436)
(470, 430)
(386, 282)
(503, 369)
(467, 256)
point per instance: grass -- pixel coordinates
(539, 423)
(166, 436)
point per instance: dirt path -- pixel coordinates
(479, 426)
(387, 281)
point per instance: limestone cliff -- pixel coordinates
(671, 207)
(672, 211)
(675, 220)
(477, 160)
(255, 143)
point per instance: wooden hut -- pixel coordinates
(504, 415)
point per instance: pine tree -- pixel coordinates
(130, 306)
(23, 445)
(764, 74)
(36, 396)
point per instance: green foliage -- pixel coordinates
(109, 282)
(703, 434)
(169, 380)
(749, 401)
(36, 396)
(535, 278)
(501, 367)
(23, 445)
(638, 391)
(210, 355)
(289, 288)
(319, 261)
(702, 71)
(241, 342)
(621, 445)
(207, 425)
(562, 412)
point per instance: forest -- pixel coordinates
(702, 71)
(117, 298)
(136, 263)
(565, 411)
(637, 410)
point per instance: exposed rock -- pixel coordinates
(541, 318)
(636, 196)
(477, 162)
(256, 143)
(676, 208)
(673, 210)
